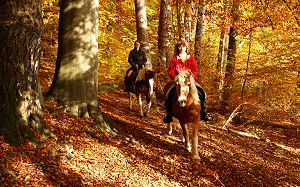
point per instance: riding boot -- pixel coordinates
(203, 113)
(169, 117)
(202, 97)
(126, 84)
(169, 105)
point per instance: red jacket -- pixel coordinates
(177, 64)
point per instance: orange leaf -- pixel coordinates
(28, 160)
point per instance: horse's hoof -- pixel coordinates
(197, 158)
(189, 148)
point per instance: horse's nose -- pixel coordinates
(182, 102)
(152, 94)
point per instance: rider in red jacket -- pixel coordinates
(178, 64)
(183, 61)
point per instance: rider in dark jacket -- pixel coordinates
(137, 59)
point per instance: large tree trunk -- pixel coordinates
(20, 95)
(75, 83)
(231, 58)
(164, 33)
(141, 29)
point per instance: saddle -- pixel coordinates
(132, 77)
(135, 76)
(170, 94)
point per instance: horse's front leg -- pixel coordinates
(170, 129)
(195, 142)
(140, 105)
(130, 101)
(185, 137)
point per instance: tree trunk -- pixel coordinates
(221, 64)
(180, 19)
(230, 66)
(200, 28)
(188, 14)
(164, 33)
(141, 29)
(75, 82)
(223, 51)
(20, 94)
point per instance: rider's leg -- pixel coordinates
(202, 97)
(128, 78)
(132, 78)
(169, 104)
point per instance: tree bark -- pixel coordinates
(188, 15)
(75, 82)
(164, 32)
(200, 28)
(231, 58)
(180, 19)
(221, 64)
(141, 29)
(20, 94)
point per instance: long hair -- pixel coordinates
(178, 45)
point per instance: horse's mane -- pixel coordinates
(188, 74)
(194, 90)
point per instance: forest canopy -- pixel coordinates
(266, 67)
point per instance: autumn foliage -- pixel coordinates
(261, 148)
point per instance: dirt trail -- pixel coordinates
(228, 159)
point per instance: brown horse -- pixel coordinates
(141, 86)
(186, 108)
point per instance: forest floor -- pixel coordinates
(141, 153)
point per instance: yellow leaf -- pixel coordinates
(87, 151)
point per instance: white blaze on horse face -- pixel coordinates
(184, 90)
(151, 86)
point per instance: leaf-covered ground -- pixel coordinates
(142, 154)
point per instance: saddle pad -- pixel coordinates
(141, 75)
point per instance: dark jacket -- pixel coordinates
(137, 57)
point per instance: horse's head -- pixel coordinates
(185, 85)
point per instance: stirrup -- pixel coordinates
(205, 117)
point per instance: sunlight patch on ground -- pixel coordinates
(133, 171)
(290, 149)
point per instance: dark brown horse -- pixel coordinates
(186, 108)
(141, 86)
